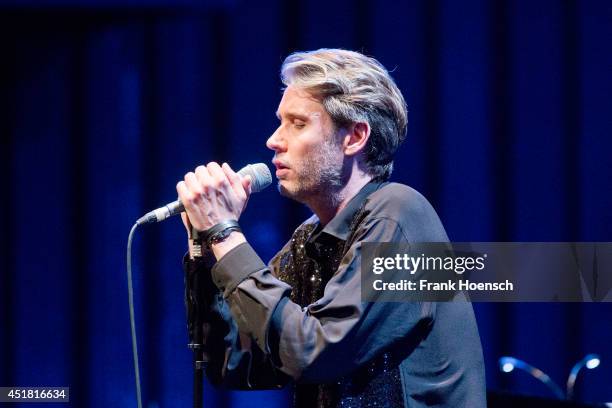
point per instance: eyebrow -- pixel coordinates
(294, 115)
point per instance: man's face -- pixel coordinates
(308, 152)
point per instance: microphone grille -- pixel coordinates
(260, 175)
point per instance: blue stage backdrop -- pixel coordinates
(105, 106)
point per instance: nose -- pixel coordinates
(276, 142)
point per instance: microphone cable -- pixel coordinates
(132, 318)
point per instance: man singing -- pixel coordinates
(301, 319)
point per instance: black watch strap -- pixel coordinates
(219, 232)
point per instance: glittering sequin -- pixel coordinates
(307, 266)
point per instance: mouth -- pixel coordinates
(279, 164)
(281, 167)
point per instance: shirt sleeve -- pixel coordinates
(331, 337)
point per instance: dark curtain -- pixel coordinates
(105, 107)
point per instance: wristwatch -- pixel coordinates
(221, 236)
(219, 232)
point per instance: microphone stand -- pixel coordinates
(196, 326)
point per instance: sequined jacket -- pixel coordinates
(300, 318)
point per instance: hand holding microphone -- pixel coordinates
(213, 194)
(260, 179)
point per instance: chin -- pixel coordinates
(286, 191)
(282, 189)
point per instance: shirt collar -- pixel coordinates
(340, 226)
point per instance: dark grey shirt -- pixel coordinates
(262, 333)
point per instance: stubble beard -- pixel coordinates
(320, 177)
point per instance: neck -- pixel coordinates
(331, 204)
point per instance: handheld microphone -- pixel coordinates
(260, 179)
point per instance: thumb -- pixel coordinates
(247, 183)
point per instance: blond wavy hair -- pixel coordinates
(354, 88)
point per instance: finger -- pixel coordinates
(203, 175)
(220, 181)
(185, 195)
(192, 183)
(236, 181)
(183, 192)
(247, 184)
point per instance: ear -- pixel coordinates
(356, 138)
